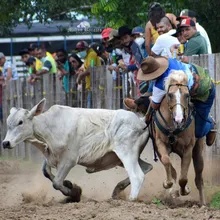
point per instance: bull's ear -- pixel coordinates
(38, 109)
(13, 110)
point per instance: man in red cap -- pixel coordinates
(196, 43)
(186, 13)
(105, 36)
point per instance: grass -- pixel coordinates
(215, 202)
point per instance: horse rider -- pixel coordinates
(201, 87)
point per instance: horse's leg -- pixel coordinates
(146, 167)
(198, 166)
(165, 160)
(185, 163)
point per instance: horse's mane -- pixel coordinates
(176, 75)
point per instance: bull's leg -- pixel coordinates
(131, 165)
(185, 163)
(48, 174)
(146, 167)
(165, 160)
(198, 166)
(66, 187)
(47, 171)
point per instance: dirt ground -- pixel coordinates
(26, 194)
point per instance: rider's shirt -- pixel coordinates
(159, 87)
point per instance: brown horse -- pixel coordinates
(173, 130)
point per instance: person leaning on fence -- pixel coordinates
(25, 55)
(9, 71)
(49, 64)
(32, 68)
(91, 59)
(63, 68)
(201, 87)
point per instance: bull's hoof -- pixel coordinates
(68, 184)
(167, 185)
(186, 191)
(76, 193)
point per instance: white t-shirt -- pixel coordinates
(203, 32)
(163, 44)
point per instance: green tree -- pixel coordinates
(110, 13)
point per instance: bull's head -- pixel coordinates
(20, 124)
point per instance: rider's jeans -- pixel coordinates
(203, 122)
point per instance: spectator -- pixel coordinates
(156, 12)
(165, 40)
(32, 66)
(63, 68)
(189, 13)
(25, 55)
(49, 64)
(138, 35)
(91, 59)
(196, 43)
(8, 69)
(130, 51)
(33, 50)
(180, 48)
(75, 62)
(100, 50)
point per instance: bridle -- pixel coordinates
(172, 132)
(185, 108)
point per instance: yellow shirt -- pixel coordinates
(154, 34)
(39, 64)
(49, 54)
(91, 55)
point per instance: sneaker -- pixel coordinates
(129, 104)
(211, 136)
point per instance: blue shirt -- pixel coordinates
(5, 68)
(159, 86)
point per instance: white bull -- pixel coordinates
(95, 138)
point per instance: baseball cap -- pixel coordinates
(113, 34)
(1, 55)
(185, 13)
(82, 45)
(137, 30)
(105, 33)
(187, 22)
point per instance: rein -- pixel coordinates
(167, 130)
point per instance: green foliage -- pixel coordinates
(215, 203)
(110, 13)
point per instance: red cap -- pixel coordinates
(105, 33)
(82, 45)
(187, 22)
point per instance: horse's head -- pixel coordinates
(176, 86)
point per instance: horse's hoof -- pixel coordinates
(185, 192)
(174, 194)
(90, 170)
(68, 184)
(167, 185)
